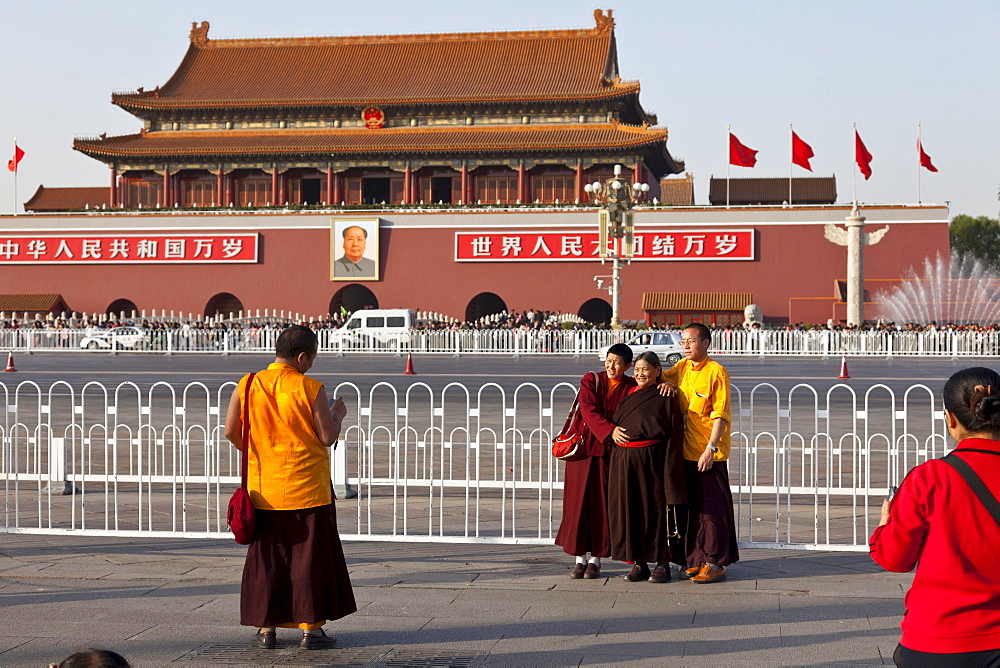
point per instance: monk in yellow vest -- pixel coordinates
(295, 575)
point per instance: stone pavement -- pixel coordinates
(160, 601)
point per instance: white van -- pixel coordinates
(379, 326)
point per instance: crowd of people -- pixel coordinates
(529, 320)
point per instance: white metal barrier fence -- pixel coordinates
(807, 468)
(817, 343)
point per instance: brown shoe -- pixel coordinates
(639, 572)
(660, 574)
(592, 573)
(264, 640)
(691, 572)
(578, 571)
(317, 641)
(709, 574)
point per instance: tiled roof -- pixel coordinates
(519, 138)
(678, 192)
(696, 301)
(53, 303)
(66, 199)
(391, 69)
(809, 190)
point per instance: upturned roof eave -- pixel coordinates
(145, 102)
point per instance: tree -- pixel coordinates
(976, 237)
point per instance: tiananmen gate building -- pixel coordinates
(457, 161)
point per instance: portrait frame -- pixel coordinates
(367, 267)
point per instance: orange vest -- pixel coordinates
(288, 468)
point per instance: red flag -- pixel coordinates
(18, 154)
(801, 152)
(862, 156)
(925, 160)
(740, 155)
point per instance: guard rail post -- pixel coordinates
(225, 343)
(340, 345)
(457, 348)
(515, 337)
(58, 483)
(114, 343)
(339, 460)
(170, 342)
(576, 344)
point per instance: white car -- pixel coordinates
(666, 345)
(123, 337)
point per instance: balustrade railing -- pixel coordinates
(461, 463)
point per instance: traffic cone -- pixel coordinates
(409, 365)
(843, 368)
(10, 362)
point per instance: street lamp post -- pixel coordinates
(616, 229)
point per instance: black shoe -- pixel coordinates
(321, 641)
(639, 572)
(264, 640)
(660, 574)
(592, 573)
(577, 571)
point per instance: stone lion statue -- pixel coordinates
(752, 315)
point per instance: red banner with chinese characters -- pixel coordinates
(129, 249)
(580, 246)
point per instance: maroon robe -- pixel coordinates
(646, 480)
(584, 526)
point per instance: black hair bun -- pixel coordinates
(987, 408)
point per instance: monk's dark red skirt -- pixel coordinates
(584, 526)
(295, 570)
(711, 527)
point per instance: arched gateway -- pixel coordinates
(224, 303)
(353, 297)
(596, 311)
(120, 306)
(483, 304)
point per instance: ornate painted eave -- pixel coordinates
(420, 140)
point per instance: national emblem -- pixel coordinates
(373, 117)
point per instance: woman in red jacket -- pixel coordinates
(937, 523)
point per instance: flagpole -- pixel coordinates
(728, 160)
(15, 176)
(854, 172)
(791, 151)
(919, 148)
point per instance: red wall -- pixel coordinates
(419, 271)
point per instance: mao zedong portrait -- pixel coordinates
(353, 264)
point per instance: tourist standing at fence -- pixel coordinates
(584, 526)
(295, 575)
(945, 520)
(646, 480)
(703, 388)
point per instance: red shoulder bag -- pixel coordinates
(242, 517)
(568, 445)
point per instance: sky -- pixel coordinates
(757, 66)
